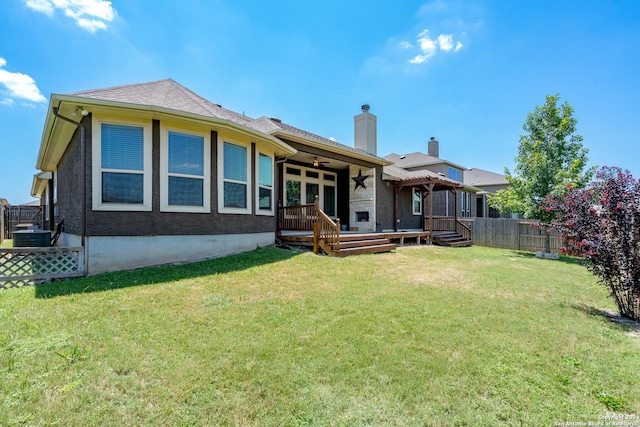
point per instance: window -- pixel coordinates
(302, 185)
(121, 166)
(466, 204)
(265, 184)
(454, 174)
(184, 171)
(330, 200)
(417, 201)
(235, 177)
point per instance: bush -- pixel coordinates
(602, 223)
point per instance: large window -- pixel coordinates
(265, 184)
(184, 171)
(416, 198)
(302, 185)
(121, 165)
(235, 177)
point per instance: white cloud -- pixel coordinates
(43, 6)
(445, 41)
(91, 15)
(19, 86)
(405, 45)
(429, 47)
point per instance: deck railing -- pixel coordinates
(326, 232)
(299, 218)
(446, 223)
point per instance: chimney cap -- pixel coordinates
(432, 138)
(275, 119)
(365, 108)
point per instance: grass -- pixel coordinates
(8, 243)
(421, 336)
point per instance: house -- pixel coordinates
(152, 173)
(446, 203)
(488, 183)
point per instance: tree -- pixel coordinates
(550, 158)
(602, 222)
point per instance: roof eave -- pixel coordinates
(281, 148)
(346, 151)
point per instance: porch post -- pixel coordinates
(455, 204)
(396, 190)
(431, 185)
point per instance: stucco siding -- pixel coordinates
(129, 252)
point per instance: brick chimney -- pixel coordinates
(434, 149)
(365, 129)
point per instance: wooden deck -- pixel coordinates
(352, 243)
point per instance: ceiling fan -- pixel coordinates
(318, 163)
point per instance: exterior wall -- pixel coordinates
(362, 199)
(405, 210)
(115, 253)
(384, 196)
(157, 223)
(69, 189)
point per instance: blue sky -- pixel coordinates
(467, 72)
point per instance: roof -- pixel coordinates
(417, 159)
(158, 97)
(394, 173)
(480, 177)
(166, 94)
(277, 128)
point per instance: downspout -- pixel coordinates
(83, 176)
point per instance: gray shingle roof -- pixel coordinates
(480, 177)
(277, 128)
(165, 94)
(413, 159)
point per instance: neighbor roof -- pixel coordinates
(481, 177)
(417, 159)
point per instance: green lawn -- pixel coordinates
(421, 336)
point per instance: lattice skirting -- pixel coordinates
(29, 266)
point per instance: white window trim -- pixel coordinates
(304, 179)
(96, 163)
(413, 206)
(164, 172)
(221, 180)
(259, 211)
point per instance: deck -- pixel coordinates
(305, 238)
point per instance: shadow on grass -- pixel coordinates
(165, 273)
(564, 259)
(625, 324)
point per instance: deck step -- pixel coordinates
(370, 249)
(451, 239)
(362, 243)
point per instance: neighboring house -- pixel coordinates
(488, 183)
(462, 202)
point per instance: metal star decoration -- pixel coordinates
(360, 180)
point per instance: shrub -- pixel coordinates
(602, 223)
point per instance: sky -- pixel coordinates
(466, 72)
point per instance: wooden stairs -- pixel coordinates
(358, 244)
(450, 238)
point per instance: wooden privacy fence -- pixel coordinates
(15, 215)
(515, 234)
(29, 266)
